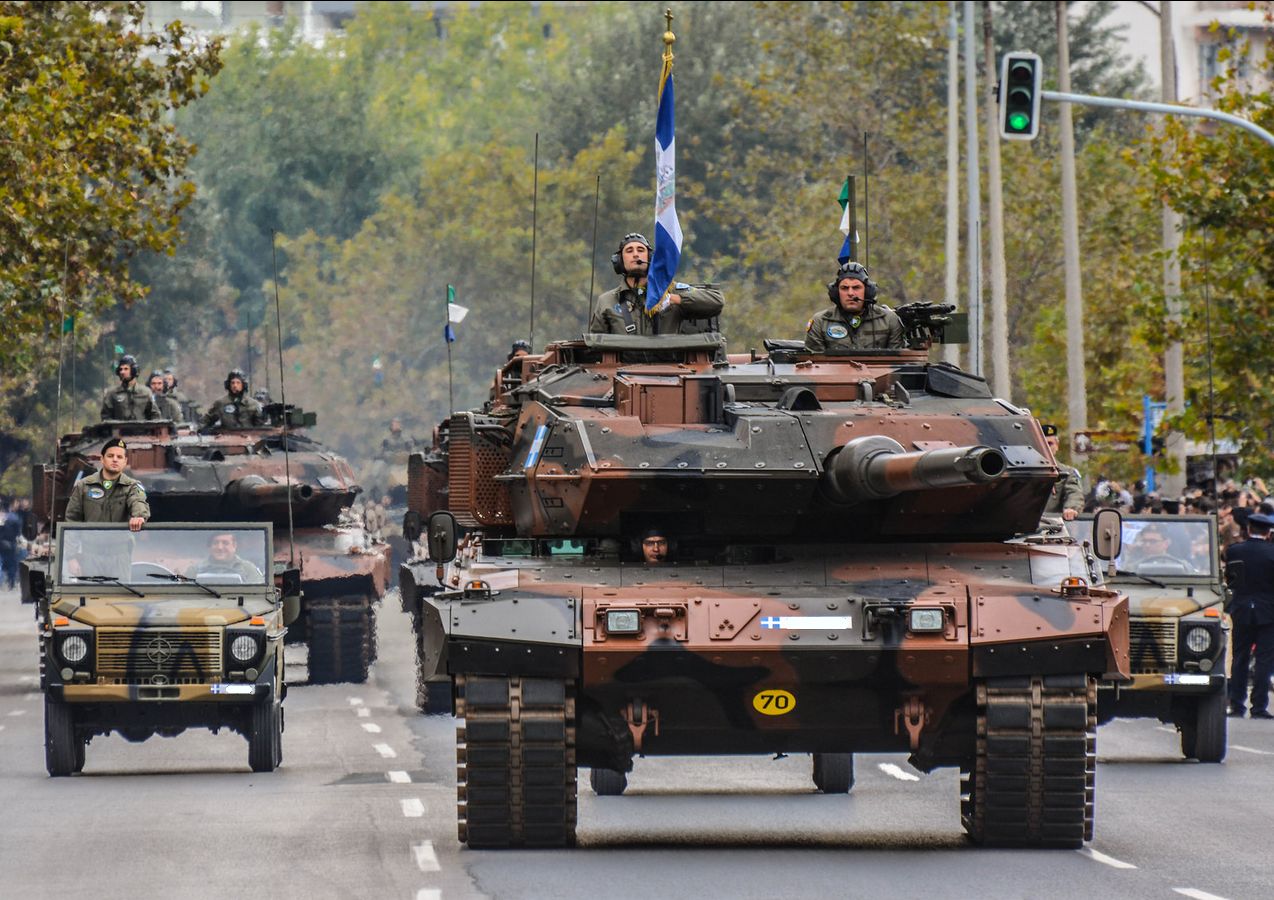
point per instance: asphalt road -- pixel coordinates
(364, 806)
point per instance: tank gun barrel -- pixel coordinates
(878, 467)
(255, 491)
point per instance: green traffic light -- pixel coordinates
(1019, 121)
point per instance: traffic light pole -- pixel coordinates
(1164, 108)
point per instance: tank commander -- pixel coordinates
(396, 441)
(654, 547)
(224, 559)
(171, 389)
(855, 321)
(1067, 499)
(169, 408)
(236, 409)
(108, 495)
(622, 310)
(130, 402)
(520, 348)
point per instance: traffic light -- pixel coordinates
(1020, 75)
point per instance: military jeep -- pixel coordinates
(156, 631)
(1169, 569)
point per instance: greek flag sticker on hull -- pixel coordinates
(807, 623)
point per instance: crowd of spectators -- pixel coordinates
(1232, 502)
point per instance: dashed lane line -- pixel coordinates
(429, 894)
(426, 859)
(1105, 860)
(17, 712)
(355, 701)
(413, 808)
(898, 772)
(398, 777)
(1197, 894)
(371, 728)
(385, 750)
(1250, 750)
(363, 712)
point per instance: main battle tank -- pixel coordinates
(242, 475)
(848, 575)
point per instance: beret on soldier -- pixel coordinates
(115, 442)
(1049, 430)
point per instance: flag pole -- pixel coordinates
(535, 202)
(448, 338)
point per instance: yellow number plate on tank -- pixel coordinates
(774, 703)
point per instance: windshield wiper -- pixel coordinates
(108, 579)
(184, 580)
(1146, 578)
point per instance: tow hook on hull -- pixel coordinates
(638, 716)
(914, 716)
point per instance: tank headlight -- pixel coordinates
(623, 621)
(74, 648)
(1199, 639)
(243, 648)
(925, 620)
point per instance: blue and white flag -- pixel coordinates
(667, 252)
(455, 315)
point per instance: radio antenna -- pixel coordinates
(1207, 307)
(535, 199)
(592, 257)
(866, 210)
(57, 415)
(283, 396)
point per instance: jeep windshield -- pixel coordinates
(158, 557)
(1160, 546)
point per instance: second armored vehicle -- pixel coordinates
(834, 579)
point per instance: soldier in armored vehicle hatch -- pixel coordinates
(685, 310)
(855, 321)
(237, 409)
(129, 401)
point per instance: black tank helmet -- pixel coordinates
(155, 373)
(237, 373)
(858, 272)
(128, 360)
(617, 258)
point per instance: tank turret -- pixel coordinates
(649, 546)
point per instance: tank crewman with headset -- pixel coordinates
(855, 321)
(108, 495)
(170, 389)
(237, 409)
(685, 310)
(1067, 499)
(169, 408)
(130, 401)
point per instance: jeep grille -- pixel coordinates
(180, 655)
(1154, 645)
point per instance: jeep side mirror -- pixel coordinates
(290, 589)
(1108, 535)
(411, 525)
(442, 537)
(37, 585)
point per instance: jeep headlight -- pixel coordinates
(74, 648)
(1199, 639)
(244, 648)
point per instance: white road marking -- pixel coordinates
(364, 712)
(898, 772)
(413, 808)
(1102, 858)
(398, 777)
(1197, 894)
(355, 701)
(385, 750)
(1250, 750)
(31, 695)
(18, 712)
(429, 894)
(371, 727)
(28, 679)
(426, 859)
(1, 728)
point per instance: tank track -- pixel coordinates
(515, 754)
(341, 634)
(1033, 777)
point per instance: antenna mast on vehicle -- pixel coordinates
(283, 396)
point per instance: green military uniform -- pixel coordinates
(878, 327)
(134, 403)
(183, 403)
(623, 311)
(247, 572)
(95, 499)
(169, 408)
(234, 411)
(1068, 493)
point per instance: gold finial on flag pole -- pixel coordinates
(669, 38)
